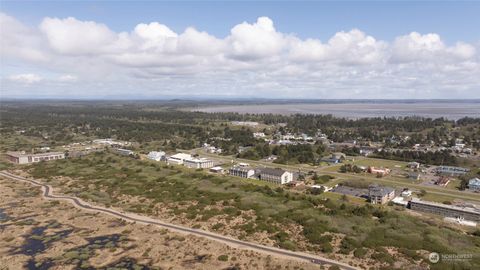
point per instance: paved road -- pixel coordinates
(48, 193)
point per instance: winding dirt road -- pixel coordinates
(48, 194)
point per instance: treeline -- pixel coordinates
(429, 157)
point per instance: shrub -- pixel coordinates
(223, 258)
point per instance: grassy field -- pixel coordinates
(104, 178)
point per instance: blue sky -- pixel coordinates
(285, 49)
(453, 20)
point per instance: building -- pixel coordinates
(442, 181)
(157, 156)
(198, 163)
(217, 169)
(451, 171)
(467, 213)
(414, 176)
(378, 171)
(474, 184)
(123, 152)
(277, 176)
(380, 195)
(413, 165)
(259, 135)
(24, 158)
(241, 171)
(178, 159)
(335, 158)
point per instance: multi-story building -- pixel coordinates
(451, 171)
(241, 171)
(468, 213)
(178, 159)
(24, 158)
(198, 163)
(380, 195)
(277, 176)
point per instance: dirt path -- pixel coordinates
(48, 194)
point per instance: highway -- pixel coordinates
(48, 194)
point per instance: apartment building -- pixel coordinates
(24, 158)
(277, 176)
(241, 171)
(468, 213)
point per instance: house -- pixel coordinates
(216, 169)
(474, 184)
(241, 171)
(380, 194)
(451, 171)
(24, 158)
(413, 165)
(406, 193)
(442, 181)
(414, 176)
(259, 135)
(157, 156)
(178, 159)
(378, 171)
(123, 152)
(335, 158)
(198, 163)
(277, 176)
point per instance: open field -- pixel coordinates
(270, 216)
(41, 234)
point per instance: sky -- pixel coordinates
(240, 49)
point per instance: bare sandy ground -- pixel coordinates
(148, 245)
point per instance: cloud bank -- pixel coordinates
(67, 56)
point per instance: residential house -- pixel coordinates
(216, 169)
(474, 184)
(335, 158)
(380, 194)
(378, 171)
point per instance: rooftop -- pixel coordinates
(472, 210)
(272, 171)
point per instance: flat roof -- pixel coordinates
(446, 206)
(23, 154)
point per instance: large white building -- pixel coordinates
(24, 158)
(277, 176)
(157, 156)
(178, 159)
(198, 163)
(241, 171)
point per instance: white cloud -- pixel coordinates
(67, 78)
(27, 78)
(73, 37)
(429, 47)
(254, 59)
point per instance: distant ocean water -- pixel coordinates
(453, 111)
